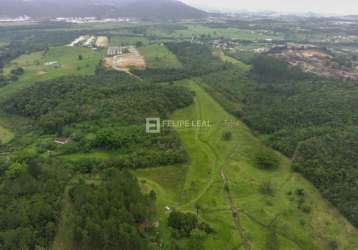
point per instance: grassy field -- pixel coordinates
(230, 59)
(5, 135)
(158, 56)
(120, 40)
(201, 183)
(198, 30)
(9, 127)
(36, 70)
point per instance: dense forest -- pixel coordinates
(111, 215)
(106, 112)
(311, 119)
(31, 201)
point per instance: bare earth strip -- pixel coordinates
(127, 60)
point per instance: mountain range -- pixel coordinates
(143, 9)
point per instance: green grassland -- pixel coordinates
(36, 70)
(260, 216)
(5, 135)
(198, 30)
(9, 127)
(229, 59)
(159, 56)
(121, 40)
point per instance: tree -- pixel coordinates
(80, 57)
(139, 44)
(17, 71)
(184, 223)
(227, 136)
(15, 170)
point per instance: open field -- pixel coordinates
(230, 59)
(201, 183)
(67, 63)
(198, 30)
(158, 56)
(5, 135)
(118, 40)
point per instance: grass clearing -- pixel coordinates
(5, 135)
(230, 59)
(96, 155)
(36, 70)
(120, 40)
(200, 183)
(199, 30)
(159, 56)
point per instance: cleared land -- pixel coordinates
(159, 56)
(198, 30)
(126, 61)
(102, 42)
(67, 63)
(259, 216)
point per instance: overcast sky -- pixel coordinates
(318, 6)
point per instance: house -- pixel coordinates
(54, 64)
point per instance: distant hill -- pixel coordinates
(147, 9)
(48, 8)
(161, 9)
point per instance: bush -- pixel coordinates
(266, 188)
(17, 71)
(227, 136)
(296, 167)
(183, 222)
(267, 160)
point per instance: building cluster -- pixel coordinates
(319, 61)
(90, 41)
(83, 20)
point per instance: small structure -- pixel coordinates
(51, 63)
(114, 51)
(54, 64)
(62, 141)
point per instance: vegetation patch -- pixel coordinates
(5, 135)
(158, 56)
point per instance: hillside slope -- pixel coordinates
(161, 9)
(223, 185)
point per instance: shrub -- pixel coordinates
(267, 160)
(183, 222)
(266, 188)
(227, 136)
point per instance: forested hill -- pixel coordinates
(161, 9)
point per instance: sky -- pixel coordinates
(295, 6)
